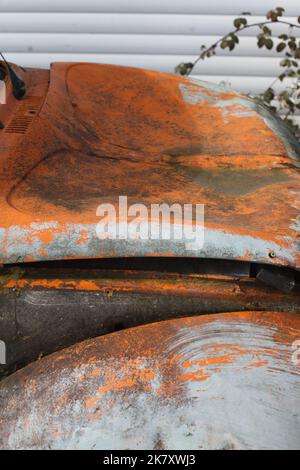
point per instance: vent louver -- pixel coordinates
(25, 114)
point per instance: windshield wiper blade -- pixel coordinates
(18, 84)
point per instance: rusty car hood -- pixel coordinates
(85, 134)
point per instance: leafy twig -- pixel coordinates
(289, 98)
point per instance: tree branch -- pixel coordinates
(236, 31)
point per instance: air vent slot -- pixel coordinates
(25, 114)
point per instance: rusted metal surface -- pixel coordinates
(43, 310)
(224, 381)
(83, 135)
(100, 131)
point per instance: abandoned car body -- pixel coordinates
(81, 135)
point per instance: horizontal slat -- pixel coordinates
(246, 85)
(126, 23)
(233, 7)
(124, 44)
(245, 66)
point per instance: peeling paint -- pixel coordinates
(80, 241)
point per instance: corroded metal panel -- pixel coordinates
(42, 312)
(100, 131)
(227, 381)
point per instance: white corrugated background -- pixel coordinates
(156, 34)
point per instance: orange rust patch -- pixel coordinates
(90, 403)
(95, 372)
(195, 376)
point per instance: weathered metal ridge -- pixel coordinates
(44, 309)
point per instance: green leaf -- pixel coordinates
(268, 95)
(267, 30)
(234, 38)
(261, 41)
(189, 66)
(280, 47)
(269, 43)
(272, 15)
(239, 22)
(285, 63)
(280, 11)
(291, 124)
(292, 45)
(184, 68)
(298, 19)
(224, 44)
